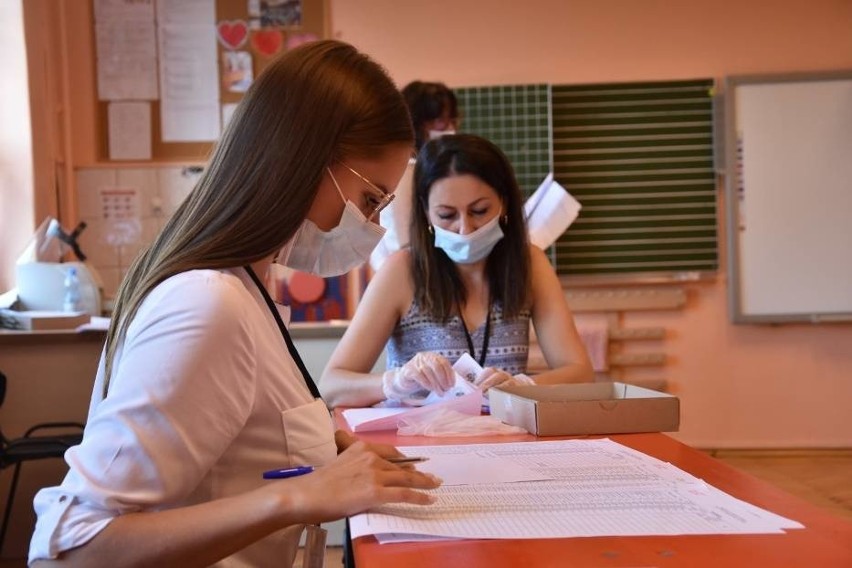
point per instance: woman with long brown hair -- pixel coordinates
(200, 389)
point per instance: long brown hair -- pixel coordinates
(316, 104)
(507, 268)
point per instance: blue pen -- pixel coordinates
(303, 469)
(287, 472)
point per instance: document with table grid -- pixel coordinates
(561, 489)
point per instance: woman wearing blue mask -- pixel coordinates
(200, 389)
(469, 283)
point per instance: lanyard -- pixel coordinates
(485, 339)
(306, 376)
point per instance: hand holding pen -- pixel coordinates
(358, 479)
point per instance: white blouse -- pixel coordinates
(204, 398)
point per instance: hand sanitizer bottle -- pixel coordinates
(72, 291)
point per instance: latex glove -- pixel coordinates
(425, 371)
(491, 377)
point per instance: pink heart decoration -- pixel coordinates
(232, 34)
(267, 42)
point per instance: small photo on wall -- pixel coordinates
(237, 74)
(285, 13)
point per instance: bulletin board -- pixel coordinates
(789, 197)
(236, 30)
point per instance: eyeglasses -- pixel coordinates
(383, 198)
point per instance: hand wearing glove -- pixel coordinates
(425, 371)
(491, 377)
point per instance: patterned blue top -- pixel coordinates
(416, 331)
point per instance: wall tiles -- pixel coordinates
(111, 246)
(175, 184)
(89, 184)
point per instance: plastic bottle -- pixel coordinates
(72, 291)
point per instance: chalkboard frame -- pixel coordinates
(739, 310)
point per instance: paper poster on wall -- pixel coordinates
(189, 121)
(124, 10)
(125, 42)
(237, 74)
(285, 13)
(186, 11)
(186, 31)
(129, 130)
(120, 207)
(227, 112)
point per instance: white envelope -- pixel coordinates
(550, 210)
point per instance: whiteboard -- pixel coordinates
(789, 197)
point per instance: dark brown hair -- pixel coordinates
(427, 102)
(507, 268)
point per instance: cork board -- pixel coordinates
(262, 37)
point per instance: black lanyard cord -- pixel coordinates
(306, 375)
(484, 353)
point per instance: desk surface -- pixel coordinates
(826, 540)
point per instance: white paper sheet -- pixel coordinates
(475, 467)
(189, 74)
(600, 488)
(124, 10)
(125, 41)
(129, 130)
(550, 210)
(186, 11)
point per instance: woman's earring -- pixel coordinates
(505, 219)
(431, 230)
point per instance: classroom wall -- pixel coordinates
(16, 174)
(740, 386)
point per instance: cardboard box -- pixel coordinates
(585, 408)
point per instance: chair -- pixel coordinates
(32, 447)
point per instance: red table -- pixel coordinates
(826, 540)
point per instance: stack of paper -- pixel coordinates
(561, 489)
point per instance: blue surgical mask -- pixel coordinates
(470, 248)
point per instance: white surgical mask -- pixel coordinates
(334, 252)
(470, 248)
(438, 133)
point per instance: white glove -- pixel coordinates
(491, 377)
(425, 371)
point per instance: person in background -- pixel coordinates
(200, 390)
(469, 283)
(434, 112)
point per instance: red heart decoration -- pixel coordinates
(232, 34)
(267, 42)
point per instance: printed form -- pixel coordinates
(568, 488)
